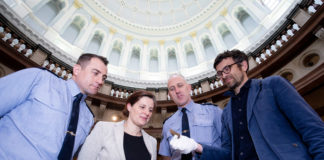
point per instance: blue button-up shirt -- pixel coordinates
(35, 108)
(204, 124)
(243, 145)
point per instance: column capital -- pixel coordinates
(223, 12)
(161, 42)
(145, 41)
(193, 34)
(112, 30)
(77, 4)
(209, 24)
(95, 20)
(129, 37)
(177, 40)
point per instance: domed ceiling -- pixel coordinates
(156, 17)
(156, 13)
(147, 40)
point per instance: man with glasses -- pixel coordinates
(264, 119)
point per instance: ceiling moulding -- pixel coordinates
(200, 19)
(155, 84)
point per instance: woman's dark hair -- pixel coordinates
(237, 55)
(136, 96)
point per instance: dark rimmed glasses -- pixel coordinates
(226, 70)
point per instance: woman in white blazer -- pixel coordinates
(125, 140)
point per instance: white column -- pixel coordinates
(180, 55)
(219, 43)
(145, 56)
(33, 3)
(59, 24)
(124, 56)
(162, 57)
(257, 11)
(107, 44)
(81, 42)
(200, 54)
(237, 31)
(21, 9)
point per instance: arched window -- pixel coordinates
(154, 62)
(227, 36)
(172, 60)
(134, 63)
(115, 53)
(191, 58)
(209, 48)
(73, 30)
(246, 20)
(50, 10)
(95, 43)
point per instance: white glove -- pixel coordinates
(183, 144)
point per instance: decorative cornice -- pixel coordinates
(35, 37)
(135, 28)
(57, 52)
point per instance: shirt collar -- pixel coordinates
(189, 106)
(232, 92)
(74, 88)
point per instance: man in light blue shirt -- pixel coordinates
(204, 120)
(36, 108)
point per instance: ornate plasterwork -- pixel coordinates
(207, 13)
(19, 23)
(35, 37)
(118, 79)
(155, 84)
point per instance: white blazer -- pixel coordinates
(106, 143)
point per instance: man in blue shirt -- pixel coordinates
(265, 119)
(204, 120)
(36, 108)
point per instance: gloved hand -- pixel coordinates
(183, 144)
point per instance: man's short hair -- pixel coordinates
(85, 58)
(237, 55)
(176, 75)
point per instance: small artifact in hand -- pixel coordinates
(174, 133)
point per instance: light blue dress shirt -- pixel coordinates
(204, 123)
(35, 108)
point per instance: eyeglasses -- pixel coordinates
(226, 70)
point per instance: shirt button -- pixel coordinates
(240, 110)
(241, 123)
(241, 153)
(242, 137)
